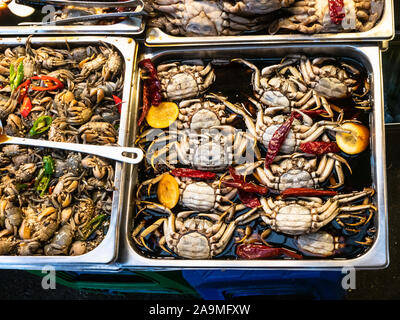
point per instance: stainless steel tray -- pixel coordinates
(375, 258)
(383, 31)
(106, 252)
(128, 27)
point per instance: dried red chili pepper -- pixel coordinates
(277, 140)
(239, 183)
(336, 11)
(319, 147)
(260, 251)
(311, 113)
(307, 192)
(151, 88)
(192, 173)
(149, 67)
(118, 102)
(249, 199)
(245, 186)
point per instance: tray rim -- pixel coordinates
(130, 259)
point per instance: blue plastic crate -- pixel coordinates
(277, 284)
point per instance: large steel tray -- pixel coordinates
(376, 257)
(383, 31)
(103, 256)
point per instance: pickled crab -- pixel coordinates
(328, 77)
(202, 114)
(299, 83)
(309, 214)
(204, 196)
(208, 18)
(183, 80)
(265, 126)
(212, 150)
(61, 242)
(319, 16)
(98, 132)
(193, 235)
(10, 218)
(251, 7)
(298, 171)
(38, 226)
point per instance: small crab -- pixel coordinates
(38, 225)
(181, 81)
(299, 171)
(212, 150)
(199, 114)
(208, 18)
(61, 242)
(98, 132)
(193, 235)
(12, 217)
(266, 124)
(335, 80)
(324, 244)
(309, 214)
(319, 16)
(198, 195)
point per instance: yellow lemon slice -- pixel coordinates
(354, 142)
(168, 191)
(163, 115)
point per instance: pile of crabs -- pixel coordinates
(55, 202)
(266, 176)
(234, 17)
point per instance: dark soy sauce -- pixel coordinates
(233, 80)
(7, 18)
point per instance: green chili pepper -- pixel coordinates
(43, 184)
(92, 225)
(20, 75)
(48, 164)
(12, 75)
(40, 125)
(16, 77)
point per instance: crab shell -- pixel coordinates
(206, 18)
(195, 244)
(198, 114)
(181, 81)
(205, 197)
(321, 244)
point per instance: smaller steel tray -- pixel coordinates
(103, 256)
(383, 31)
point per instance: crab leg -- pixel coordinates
(247, 119)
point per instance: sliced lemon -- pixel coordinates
(168, 191)
(163, 115)
(354, 142)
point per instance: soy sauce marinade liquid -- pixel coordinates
(7, 18)
(233, 80)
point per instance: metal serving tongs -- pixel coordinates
(86, 4)
(138, 4)
(111, 152)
